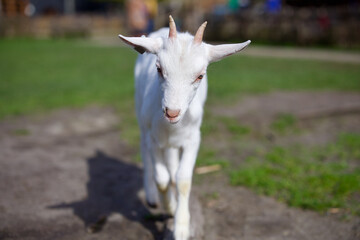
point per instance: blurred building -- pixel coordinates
(294, 22)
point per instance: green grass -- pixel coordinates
(283, 123)
(233, 127)
(238, 74)
(317, 178)
(41, 75)
(21, 132)
(209, 157)
(38, 75)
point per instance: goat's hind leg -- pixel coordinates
(151, 191)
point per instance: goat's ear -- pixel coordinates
(218, 52)
(143, 44)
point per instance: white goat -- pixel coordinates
(171, 88)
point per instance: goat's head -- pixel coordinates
(181, 63)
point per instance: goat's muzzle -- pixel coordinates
(172, 114)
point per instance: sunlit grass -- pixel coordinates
(317, 178)
(283, 123)
(42, 75)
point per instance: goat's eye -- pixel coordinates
(198, 78)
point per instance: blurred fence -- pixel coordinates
(73, 26)
(302, 26)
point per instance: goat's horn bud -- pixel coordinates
(172, 26)
(200, 33)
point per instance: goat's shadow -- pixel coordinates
(113, 187)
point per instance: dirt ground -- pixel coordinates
(70, 175)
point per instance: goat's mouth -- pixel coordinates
(173, 120)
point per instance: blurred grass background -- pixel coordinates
(39, 75)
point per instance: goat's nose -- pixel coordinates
(170, 113)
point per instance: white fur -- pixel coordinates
(169, 146)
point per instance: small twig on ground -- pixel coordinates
(207, 169)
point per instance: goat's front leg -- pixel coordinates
(183, 185)
(171, 156)
(161, 174)
(152, 196)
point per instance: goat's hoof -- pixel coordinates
(152, 205)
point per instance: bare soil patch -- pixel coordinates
(68, 175)
(322, 115)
